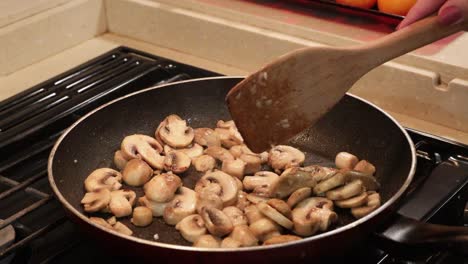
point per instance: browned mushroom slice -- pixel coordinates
(255, 199)
(207, 241)
(253, 214)
(161, 188)
(123, 229)
(347, 191)
(175, 132)
(220, 183)
(100, 221)
(253, 163)
(369, 181)
(157, 209)
(263, 229)
(236, 215)
(229, 242)
(281, 239)
(282, 157)
(204, 163)
(177, 162)
(103, 178)
(260, 183)
(121, 202)
(355, 201)
(192, 227)
(96, 201)
(275, 215)
(145, 147)
(365, 167)
(244, 236)
(208, 199)
(335, 181)
(345, 160)
(313, 215)
(119, 160)
(183, 204)
(298, 196)
(281, 206)
(136, 172)
(142, 216)
(242, 201)
(217, 222)
(234, 168)
(228, 133)
(219, 153)
(291, 180)
(373, 202)
(206, 137)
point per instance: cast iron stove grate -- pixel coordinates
(31, 121)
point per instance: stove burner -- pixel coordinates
(30, 123)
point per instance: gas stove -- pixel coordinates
(35, 229)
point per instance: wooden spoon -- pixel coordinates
(293, 92)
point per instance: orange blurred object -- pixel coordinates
(358, 3)
(397, 7)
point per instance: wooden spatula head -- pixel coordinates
(290, 94)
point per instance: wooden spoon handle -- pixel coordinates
(412, 37)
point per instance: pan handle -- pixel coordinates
(405, 234)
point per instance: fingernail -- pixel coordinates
(450, 15)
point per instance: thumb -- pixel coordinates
(453, 12)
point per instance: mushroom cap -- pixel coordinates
(136, 172)
(103, 178)
(244, 236)
(236, 215)
(177, 162)
(219, 153)
(207, 241)
(175, 132)
(161, 188)
(192, 227)
(119, 160)
(183, 204)
(121, 202)
(157, 209)
(96, 200)
(282, 157)
(221, 184)
(204, 163)
(145, 147)
(281, 239)
(217, 222)
(234, 168)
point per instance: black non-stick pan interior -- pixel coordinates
(352, 126)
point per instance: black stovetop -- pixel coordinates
(31, 121)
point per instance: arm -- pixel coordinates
(449, 11)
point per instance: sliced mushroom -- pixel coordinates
(157, 209)
(253, 214)
(136, 172)
(337, 180)
(221, 184)
(261, 183)
(208, 199)
(253, 163)
(177, 162)
(244, 236)
(217, 222)
(274, 215)
(355, 201)
(281, 239)
(234, 168)
(228, 133)
(313, 215)
(240, 186)
(345, 160)
(123, 229)
(255, 199)
(369, 181)
(263, 228)
(204, 163)
(219, 153)
(281, 206)
(282, 157)
(145, 147)
(193, 151)
(349, 190)
(175, 132)
(298, 196)
(206, 137)
(291, 180)
(191, 227)
(142, 216)
(121, 202)
(229, 242)
(207, 241)
(373, 202)
(96, 201)
(103, 178)
(242, 201)
(365, 167)
(119, 160)
(236, 215)
(112, 220)
(161, 188)
(100, 221)
(183, 204)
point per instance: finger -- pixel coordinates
(421, 9)
(453, 11)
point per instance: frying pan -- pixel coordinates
(354, 125)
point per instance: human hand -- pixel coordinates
(449, 11)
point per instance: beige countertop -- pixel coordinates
(425, 90)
